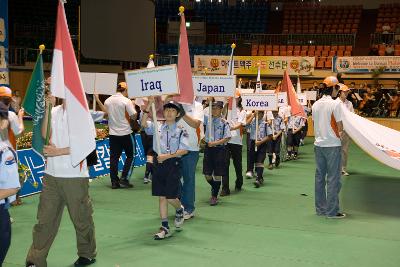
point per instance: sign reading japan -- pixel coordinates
(260, 101)
(214, 85)
(151, 82)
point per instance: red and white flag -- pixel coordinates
(184, 66)
(293, 102)
(66, 83)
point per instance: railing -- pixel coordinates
(386, 38)
(273, 39)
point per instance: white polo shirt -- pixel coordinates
(9, 177)
(61, 166)
(14, 125)
(347, 104)
(237, 134)
(325, 113)
(116, 106)
(196, 112)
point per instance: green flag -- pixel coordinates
(34, 104)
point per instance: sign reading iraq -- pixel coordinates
(260, 101)
(152, 82)
(214, 85)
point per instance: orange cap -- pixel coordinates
(123, 85)
(330, 81)
(5, 91)
(343, 87)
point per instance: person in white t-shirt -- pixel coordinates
(327, 118)
(345, 138)
(234, 148)
(120, 111)
(191, 122)
(63, 185)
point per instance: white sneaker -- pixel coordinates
(249, 175)
(163, 233)
(345, 173)
(188, 215)
(11, 220)
(146, 180)
(179, 219)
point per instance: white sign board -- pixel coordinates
(282, 99)
(152, 82)
(214, 85)
(302, 99)
(246, 91)
(99, 83)
(260, 101)
(311, 95)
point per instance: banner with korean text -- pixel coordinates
(31, 165)
(4, 76)
(247, 65)
(366, 64)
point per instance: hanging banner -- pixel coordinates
(380, 142)
(152, 82)
(214, 85)
(243, 65)
(31, 165)
(260, 101)
(366, 64)
(4, 74)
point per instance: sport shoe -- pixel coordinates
(224, 193)
(162, 233)
(249, 175)
(124, 183)
(30, 264)
(188, 215)
(82, 261)
(179, 219)
(345, 173)
(257, 183)
(337, 216)
(213, 201)
(115, 185)
(146, 180)
(270, 167)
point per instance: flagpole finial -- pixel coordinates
(181, 9)
(233, 46)
(41, 48)
(151, 56)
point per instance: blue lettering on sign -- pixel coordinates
(151, 85)
(211, 88)
(254, 103)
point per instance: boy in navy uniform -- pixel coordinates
(215, 153)
(276, 127)
(174, 143)
(295, 124)
(259, 141)
(9, 182)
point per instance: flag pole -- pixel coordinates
(155, 122)
(41, 48)
(258, 88)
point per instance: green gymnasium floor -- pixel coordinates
(271, 226)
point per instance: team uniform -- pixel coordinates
(293, 139)
(274, 146)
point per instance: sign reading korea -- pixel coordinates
(366, 64)
(282, 99)
(214, 85)
(151, 82)
(260, 101)
(247, 65)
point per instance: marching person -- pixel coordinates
(276, 127)
(174, 143)
(342, 99)
(234, 147)
(327, 117)
(295, 124)
(63, 185)
(120, 110)
(215, 153)
(9, 177)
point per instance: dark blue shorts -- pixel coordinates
(214, 161)
(167, 178)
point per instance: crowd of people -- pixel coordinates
(172, 145)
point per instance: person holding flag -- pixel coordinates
(70, 137)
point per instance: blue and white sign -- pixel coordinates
(214, 85)
(282, 99)
(260, 101)
(4, 78)
(152, 82)
(36, 165)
